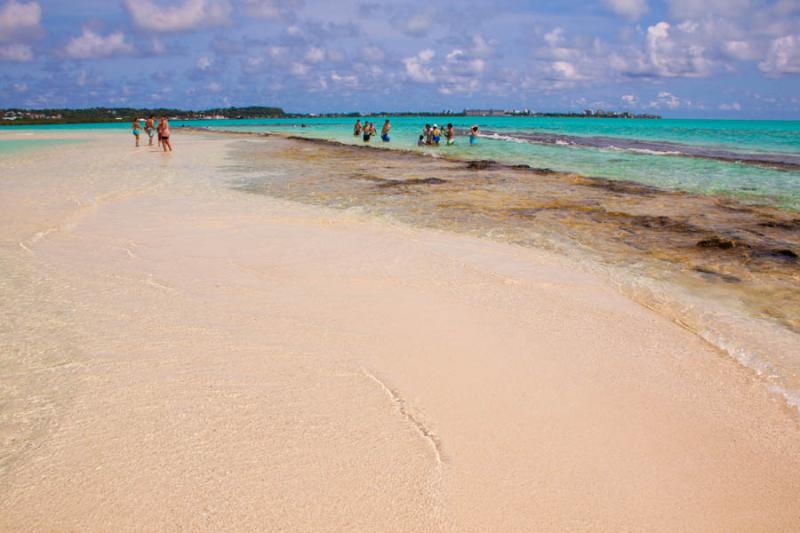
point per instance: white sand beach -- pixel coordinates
(180, 355)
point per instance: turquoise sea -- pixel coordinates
(752, 161)
(26, 142)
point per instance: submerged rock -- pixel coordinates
(717, 242)
(416, 181)
(481, 164)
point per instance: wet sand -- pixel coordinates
(182, 354)
(727, 271)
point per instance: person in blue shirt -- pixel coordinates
(473, 135)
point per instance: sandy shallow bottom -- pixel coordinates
(178, 355)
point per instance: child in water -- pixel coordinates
(421, 141)
(473, 135)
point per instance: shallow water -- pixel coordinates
(756, 162)
(752, 161)
(24, 142)
(726, 270)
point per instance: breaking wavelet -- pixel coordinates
(770, 160)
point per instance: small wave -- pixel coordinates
(793, 400)
(644, 151)
(499, 137)
(779, 161)
(762, 368)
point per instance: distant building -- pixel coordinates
(484, 113)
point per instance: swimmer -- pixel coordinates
(450, 135)
(357, 128)
(473, 135)
(436, 134)
(367, 132)
(385, 131)
(427, 131)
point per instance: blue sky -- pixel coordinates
(679, 58)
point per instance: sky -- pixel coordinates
(678, 58)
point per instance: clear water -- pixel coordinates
(745, 182)
(673, 169)
(25, 143)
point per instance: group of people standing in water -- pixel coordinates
(151, 128)
(367, 130)
(431, 135)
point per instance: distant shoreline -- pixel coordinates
(35, 117)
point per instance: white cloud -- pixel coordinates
(315, 54)
(91, 45)
(555, 38)
(253, 65)
(157, 47)
(372, 53)
(188, 15)
(426, 55)
(459, 62)
(739, 49)
(632, 9)
(687, 9)
(563, 62)
(417, 67)
(299, 70)
(480, 46)
(666, 99)
(335, 55)
(628, 99)
(20, 53)
(783, 56)
(566, 71)
(19, 23)
(277, 52)
(271, 9)
(19, 20)
(671, 53)
(735, 106)
(348, 80)
(204, 63)
(418, 25)
(460, 70)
